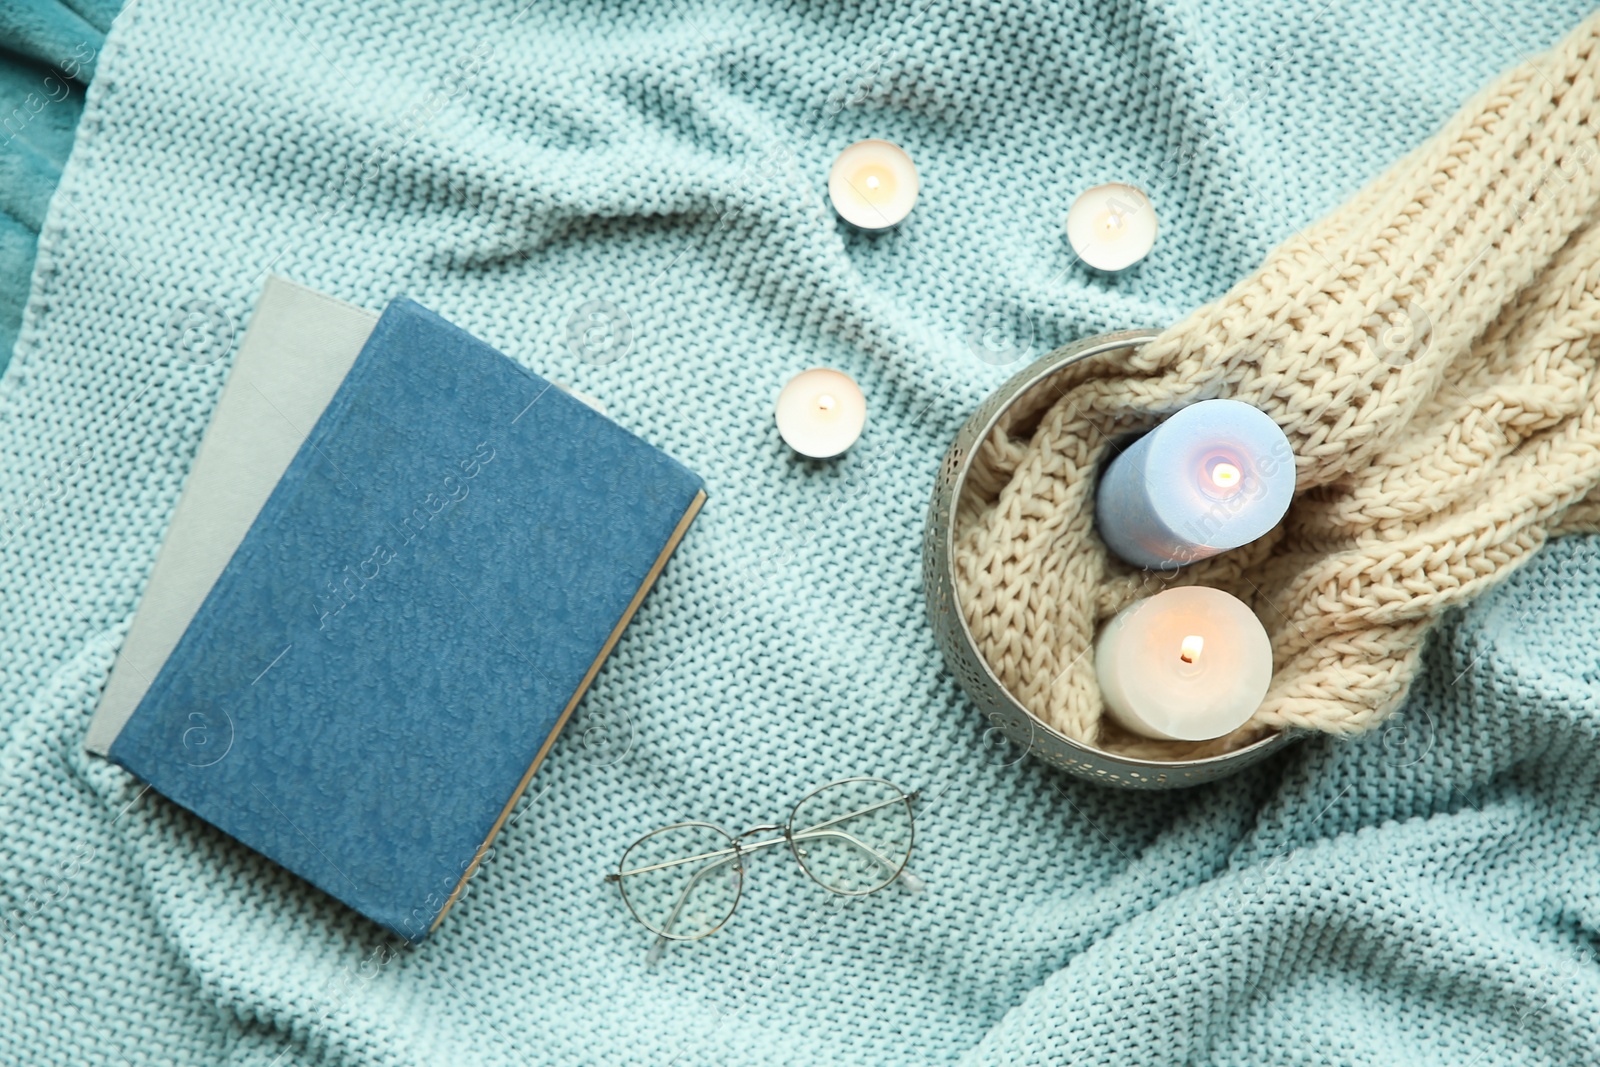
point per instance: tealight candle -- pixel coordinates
(821, 413)
(1187, 664)
(1111, 227)
(873, 185)
(1214, 476)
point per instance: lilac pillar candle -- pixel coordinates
(1214, 476)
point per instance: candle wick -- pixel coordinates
(872, 181)
(1189, 651)
(826, 402)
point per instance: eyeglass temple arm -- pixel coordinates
(662, 940)
(868, 810)
(912, 882)
(721, 856)
(752, 847)
(811, 834)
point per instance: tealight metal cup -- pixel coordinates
(994, 702)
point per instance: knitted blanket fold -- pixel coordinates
(1430, 349)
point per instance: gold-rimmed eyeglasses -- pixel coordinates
(852, 837)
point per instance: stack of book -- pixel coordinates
(398, 561)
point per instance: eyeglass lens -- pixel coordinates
(853, 837)
(682, 882)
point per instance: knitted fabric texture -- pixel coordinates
(628, 197)
(1430, 349)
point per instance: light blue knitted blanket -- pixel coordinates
(629, 198)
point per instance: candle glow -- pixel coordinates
(1213, 685)
(821, 413)
(873, 185)
(1214, 476)
(1225, 475)
(1111, 227)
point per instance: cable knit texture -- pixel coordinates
(628, 197)
(1430, 349)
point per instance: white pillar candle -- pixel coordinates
(1187, 664)
(821, 413)
(873, 185)
(1111, 227)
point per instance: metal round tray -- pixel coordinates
(961, 654)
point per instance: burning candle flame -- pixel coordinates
(875, 184)
(1225, 475)
(1189, 651)
(826, 402)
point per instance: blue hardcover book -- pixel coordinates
(415, 612)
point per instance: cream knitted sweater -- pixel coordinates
(1430, 349)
